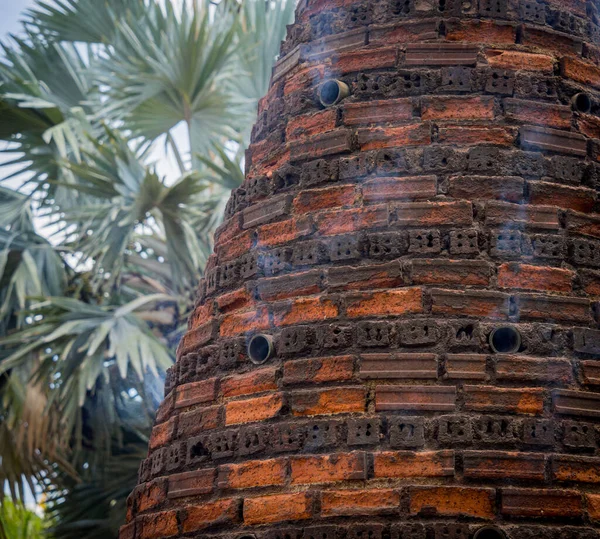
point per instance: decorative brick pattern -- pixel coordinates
(379, 242)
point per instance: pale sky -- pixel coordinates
(10, 13)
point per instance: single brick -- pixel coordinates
(359, 502)
(478, 303)
(375, 138)
(254, 409)
(353, 61)
(533, 369)
(579, 469)
(495, 399)
(465, 367)
(477, 134)
(277, 508)
(549, 308)
(157, 525)
(581, 71)
(303, 310)
(238, 323)
(352, 220)
(196, 421)
(204, 391)
(537, 112)
(516, 60)
(328, 468)
(509, 188)
(577, 403)
(324, 369)
(163, 433)
(220, 512)
(457, 108)
(249, 383)
(397, 365)
(236, 300)
(307, 125)
(289, 286)
(409, 188)
(580, 223)
(366, 277)
(448, 272)
(151, 494)
(593, 505)
(192, 483)
(541, 503)
(564, 196)
(374, 111)
(425, 214)
(313, 200)
(504, 465)
(338, 400)
(403, 464)
(387, 303)
(527, 277)
(422, 398)
(252, 474)
(452, 501)
(502, 213)
(284, 231)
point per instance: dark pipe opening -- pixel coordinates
(505, 340)
(332, 92)
(489, 532)
(260, 348)
(582, 103)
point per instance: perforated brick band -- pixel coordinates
(380, 241)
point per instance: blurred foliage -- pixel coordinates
(123, 125)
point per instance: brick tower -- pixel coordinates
(397, 336)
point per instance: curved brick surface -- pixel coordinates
(380, 242)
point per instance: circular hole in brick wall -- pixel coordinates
(489, 532)
(260, 348)
(582, 102)
(332, 92)
(505, 340)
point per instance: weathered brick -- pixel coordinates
(509, 188)
(593, 505)
(284, 231)
(375, 138)
(348, 221)
(534, 370)
(192, 483)
(422, 398)
(289, 286)
(504, 465)
(526, 277)
(457, 108)
(236, 300)
(517, 60)
(220, 512)
(332, 142)
(366, 277)
(579, 199)
(577, 403)
(204, 391)
(236, 247)
(495, 399)
(580, 223)
(549, 308)
(254, 409)
(402, 32)
(470, 302)
(477, 134)
(249, 383)
(480, 31)
(307, 125)
(157, 525)
(375, 111)
(398, 365)
(266, 211)
(452, 501)
(239, 323)
(163, 433)
(403, 464)
(198, 337)
(328, 468)
(151, 494)
(440, 54)
(338, 400)
(581, 71)
(324, 369)
(361, 60)
(448, 272)
(303, 310)
(578, 469)
(537, 112)
(252, 474)
(553, 140)
(359, 502)
(465, 367)
(541, 503)
(590, 372)
(196, 421)
(424, 214)
(504, 213)
(387, 303)
(312, 200)
(409, 188)
(277, 508)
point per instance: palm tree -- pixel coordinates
(100, 249)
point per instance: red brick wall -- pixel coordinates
(380, 242)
